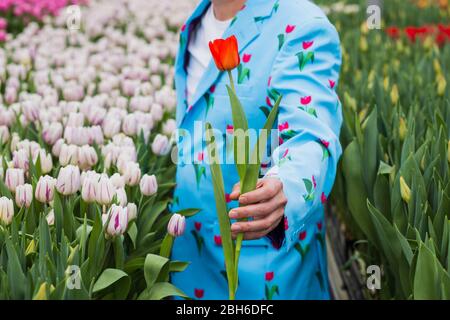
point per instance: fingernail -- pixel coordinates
(233, 214)
(242, 199)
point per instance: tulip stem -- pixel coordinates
(230, 75)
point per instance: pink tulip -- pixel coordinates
(3, 24)
(116, 221)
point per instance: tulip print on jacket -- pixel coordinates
(288, 48)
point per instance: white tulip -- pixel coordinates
(132, 211)
(13, 178)
(105, 190)
(68, 181)
(24, 195)
(117, 180)
(161, 145)
(6, 210)
(132, 174)
(148, 185)
(45, 189)
(121, 196)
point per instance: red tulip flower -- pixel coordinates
(225, 53)
(393, 32)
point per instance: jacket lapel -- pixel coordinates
(180, 70)
(244, 26)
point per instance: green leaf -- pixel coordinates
(113, 278)
(156, 269)
(280, 41)
(16, 276)
(189, 212)
(162, 290)
(134, 264)
(308, 185)
(59, 215)
(132, 233)
(265, 110)
(222, 211)
(426, 282)
(369, 154)
(166, 246)
(252, 171)
(356, 190)
(4, 191)
(240, 124)
(178, 266)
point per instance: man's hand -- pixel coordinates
(265, 205)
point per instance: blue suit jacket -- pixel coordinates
(287, 47)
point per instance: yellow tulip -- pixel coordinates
(437, 66)
(422, 163)
(386, 83)
(363, 45)
(394, 94)
(31, 248)
(42, 292)
(402, 129)
(364, 28)
(362, 114)
(72, 254)
(448, 151)
(349, 101)
(405, 191)
(396, 64)
(428, 43)
(441, 85)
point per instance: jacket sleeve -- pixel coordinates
(305, 73)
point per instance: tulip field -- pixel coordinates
(392, 192)
(86, 118)
(86, 177)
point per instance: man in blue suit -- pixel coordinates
(288, 48)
